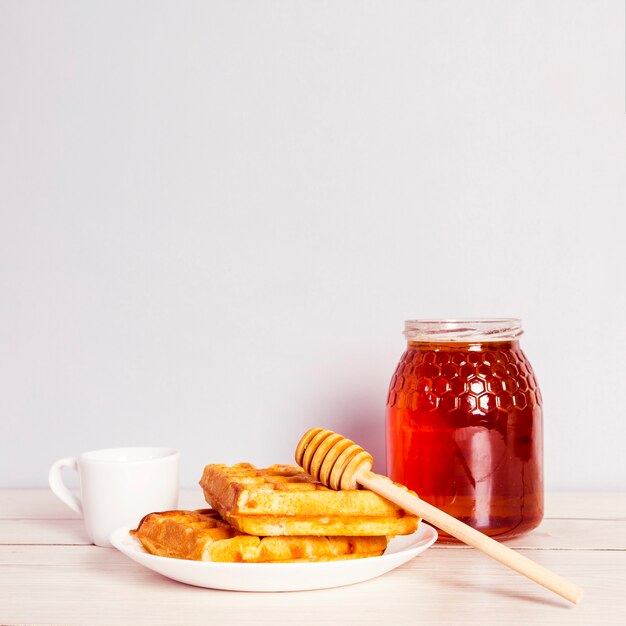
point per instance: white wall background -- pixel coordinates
(215, 216)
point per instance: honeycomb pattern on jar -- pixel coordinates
(468, 387)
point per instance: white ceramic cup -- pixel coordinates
(118, 486)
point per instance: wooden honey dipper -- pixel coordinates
(340, 463)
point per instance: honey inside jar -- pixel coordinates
(464, 424)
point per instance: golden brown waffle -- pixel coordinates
(284, 500)
(203, 536)
(329, 526)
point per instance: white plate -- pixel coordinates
(277, 576)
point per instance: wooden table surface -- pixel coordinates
(50, 574)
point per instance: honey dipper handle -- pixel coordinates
(384, 487)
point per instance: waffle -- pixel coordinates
(203, 536)
(284, 500)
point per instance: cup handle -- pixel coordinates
(58, 487)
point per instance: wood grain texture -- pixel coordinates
(56, 578)
(441, 587)
(586, 505)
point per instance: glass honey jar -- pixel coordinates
(464, 424)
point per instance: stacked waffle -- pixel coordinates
(276, 514)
